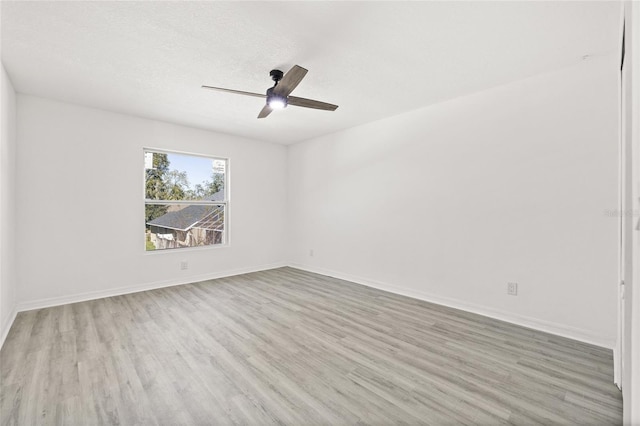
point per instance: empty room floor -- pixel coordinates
(291, 347)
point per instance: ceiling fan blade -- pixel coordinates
(310, 103)
(290, 81)
(239, 92)
(266, 110)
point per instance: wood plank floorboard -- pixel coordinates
(290, 347)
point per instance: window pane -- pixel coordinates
(170, 176)
(169, 226)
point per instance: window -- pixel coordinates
(186, 200)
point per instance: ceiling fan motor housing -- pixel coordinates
(276, 75)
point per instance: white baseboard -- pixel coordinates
(6, 325)
(562, 330)
(617, 379)
(570, 332)
(92, 295)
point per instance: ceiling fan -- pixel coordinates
(278, 95)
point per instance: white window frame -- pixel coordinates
(146, 201)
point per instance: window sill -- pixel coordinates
(187, 249)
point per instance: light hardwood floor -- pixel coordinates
(290, 347)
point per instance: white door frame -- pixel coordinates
(618, 362)
(634, 401)
(630, 322)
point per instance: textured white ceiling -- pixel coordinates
(373, 59)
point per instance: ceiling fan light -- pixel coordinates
(277, 102)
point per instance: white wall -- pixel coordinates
(451, 202)
(80, 203)
(7, 205)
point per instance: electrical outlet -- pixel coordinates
(512, 289)
(184, 265)
(311, 252)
